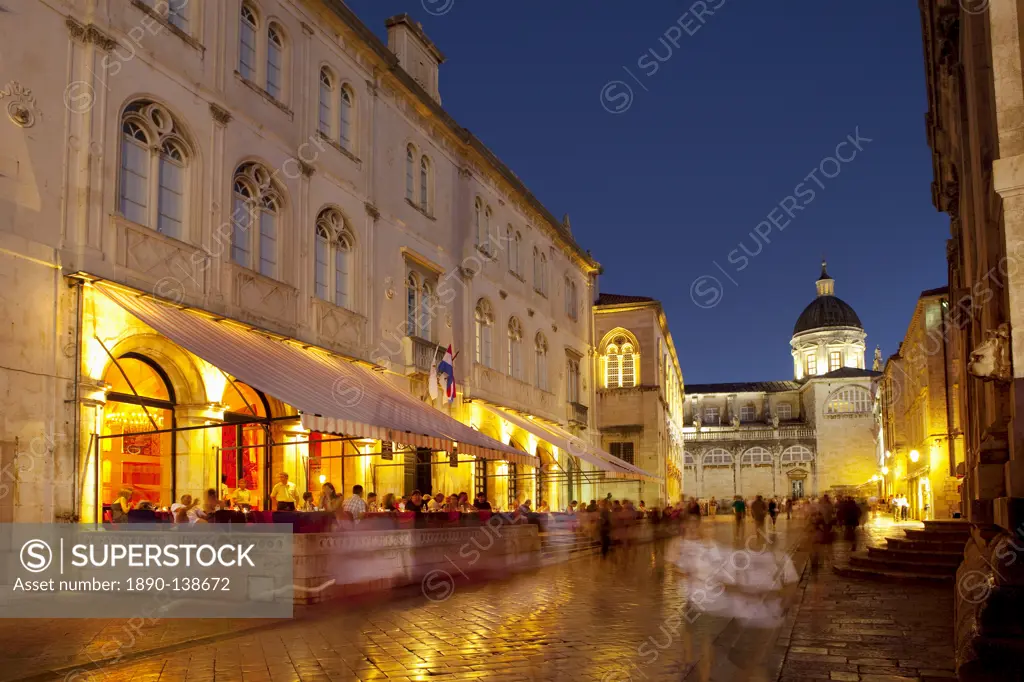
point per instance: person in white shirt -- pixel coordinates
(284, 495)
(436, 503)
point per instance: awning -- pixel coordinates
(347, 398)
(573, 445)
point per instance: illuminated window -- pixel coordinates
(811, 365)
(541, 344)
(484, 318)
(620, 364)
(333, 251)
(711, 416)
(747, 413)
(835, 360)
(515, 348)
(154, 168)
(849, 400)
(623, 450)
(257, 204)
(784, 411)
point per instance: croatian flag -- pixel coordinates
(447, 369)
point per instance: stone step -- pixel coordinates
(944, 524)
(867, 562)
(904, 544)
(937, 536)
(927, 557)
(892, 576)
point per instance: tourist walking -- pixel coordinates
(789, 508)
(849, 514)
(758, 512)
(739, 509)
(773, 511)
(604, 526)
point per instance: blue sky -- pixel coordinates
(706, 144)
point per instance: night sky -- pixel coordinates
(705, 146)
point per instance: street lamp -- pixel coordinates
(914, 455)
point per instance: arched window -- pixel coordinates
(478, 221)
(333, 251)
(275, 62)
(509, 239)
(517, 243)
(326, 102)
(571, 303)
(410, 176)
(486, 243)
(620, 364)
(177, 14)
(541, 369)
(688, 460)
(755, 456)
(347, 114)
(255, 217)
(248, 26)
(425, 327)
(412, 297)
(484, 318)
(154, 165)
(515, 348)
(795, 454)
(718, 457)
(849, 400)
(425, 184)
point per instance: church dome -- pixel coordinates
(826, 310)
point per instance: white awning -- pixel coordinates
(347, 398)
(573, 445)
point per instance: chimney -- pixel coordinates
(416, 53)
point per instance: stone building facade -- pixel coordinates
(922, 441)
(975, 127)
(640, 393)
(804, 437)
(276, 166)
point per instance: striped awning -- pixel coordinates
(334, 394)
(573, 445)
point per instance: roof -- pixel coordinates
(848, 373)
(743, 387)
(826, 311)
(940, 291)
(618, 299)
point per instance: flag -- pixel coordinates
(432, 383)
(447, 369)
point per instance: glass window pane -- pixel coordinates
(346, 119)
(240, 233)
(326, 97)
(321, 267)
(341, 257)
(247, 50)
(135, 182)
(409, 160)
(426, 313)
(171, 201)
(268, 244)
(410, 306)
(177, 14)
(274, 64)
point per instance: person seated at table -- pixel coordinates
(121, 506)
(355, 504)
(210, 506)
(481, 503)
(389, 504)
(571, 509)
(225, 491)
(184, 511)
(464, 505)
(329, 498)
(543, 507)
(284, 495)
(642, 507)
(436, 503)
(242, 499)
(416, 503)
(524, 508)
(307, 503)
(592, 507)
(372, 505)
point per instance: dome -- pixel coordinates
(826, 310)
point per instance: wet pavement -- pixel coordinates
(621, 618)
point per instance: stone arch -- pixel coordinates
(797, 454)
(756, 456)
(619, 331)
(176, 363)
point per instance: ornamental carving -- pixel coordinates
(991, 360)
(22, 109)
(220, 114)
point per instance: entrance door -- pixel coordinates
(797, 485)
(424, 469)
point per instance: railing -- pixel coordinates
(419, 354)
(714, 433)
(577, 414)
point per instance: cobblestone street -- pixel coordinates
(588, 619)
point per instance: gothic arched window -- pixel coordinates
(333, 257)
(484, 319)
(255, 219)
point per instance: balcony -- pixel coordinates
(576, 414)
(501, 389)
(748, 433)
(418, 355)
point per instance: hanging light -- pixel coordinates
(888, 454)
(914, 455)
(885, 471)
(323, 479)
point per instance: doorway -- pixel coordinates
(796, 488)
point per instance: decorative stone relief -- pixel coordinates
(220, 114)
(448, 320)
(22, 109)
(389, 287)
(991, 360)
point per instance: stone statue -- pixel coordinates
(991, 360)
(696, 422)
(877, 365)
(735, 421)
(775, 421)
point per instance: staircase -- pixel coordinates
(929, 555)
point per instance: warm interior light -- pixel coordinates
(888, 454)
(914, 455)
(885, 471)
(323, 479)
